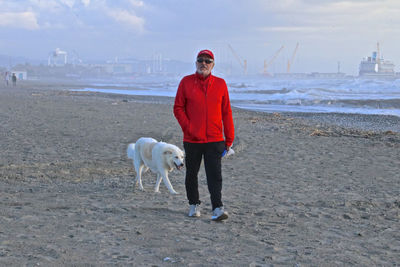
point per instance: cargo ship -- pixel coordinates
(376, 67)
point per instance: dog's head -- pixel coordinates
(175, 157)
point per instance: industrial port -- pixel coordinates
(373, 67)
(69, 65)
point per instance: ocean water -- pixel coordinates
(350, 95)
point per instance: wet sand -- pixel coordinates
(300, 190)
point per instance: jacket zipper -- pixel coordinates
(209, 84)
(205, 93)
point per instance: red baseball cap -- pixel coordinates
(206, 52)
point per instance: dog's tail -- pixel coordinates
(130, 152)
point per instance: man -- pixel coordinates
(7, 77)
(203, 110)
(14, 79)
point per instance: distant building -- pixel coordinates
(118, 68)
(57, 58)
(21, 75)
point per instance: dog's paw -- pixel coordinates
(175, 193)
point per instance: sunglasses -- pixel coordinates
(206, 60)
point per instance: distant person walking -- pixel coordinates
(6, 77)
(14, 79)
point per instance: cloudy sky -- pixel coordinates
(328, 31)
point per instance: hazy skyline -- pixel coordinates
(327, 31)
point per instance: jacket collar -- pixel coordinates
(202, 78)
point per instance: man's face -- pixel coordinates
(202, 67)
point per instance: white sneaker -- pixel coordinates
(219, 214)
(194, 210)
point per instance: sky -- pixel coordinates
(327, 31)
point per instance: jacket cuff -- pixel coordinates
(228, 143)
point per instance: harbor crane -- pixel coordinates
(243, 63)
(290, 62)
(267, 64)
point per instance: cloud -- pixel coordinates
(25, 20)
(291, 29)
(44, 5)
(329, 16)
(69, 3)
(125, 18)
(86, 2)
(137, 3)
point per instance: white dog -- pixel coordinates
(159, 157)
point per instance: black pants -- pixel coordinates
(212, 153)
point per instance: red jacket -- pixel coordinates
(203, 110)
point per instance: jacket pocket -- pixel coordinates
(192, 133)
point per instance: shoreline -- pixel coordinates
(378, 124)
(389, 122)
(355, 121)
(362, 122)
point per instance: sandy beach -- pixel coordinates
(301, 190)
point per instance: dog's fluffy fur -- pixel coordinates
(159, 157)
